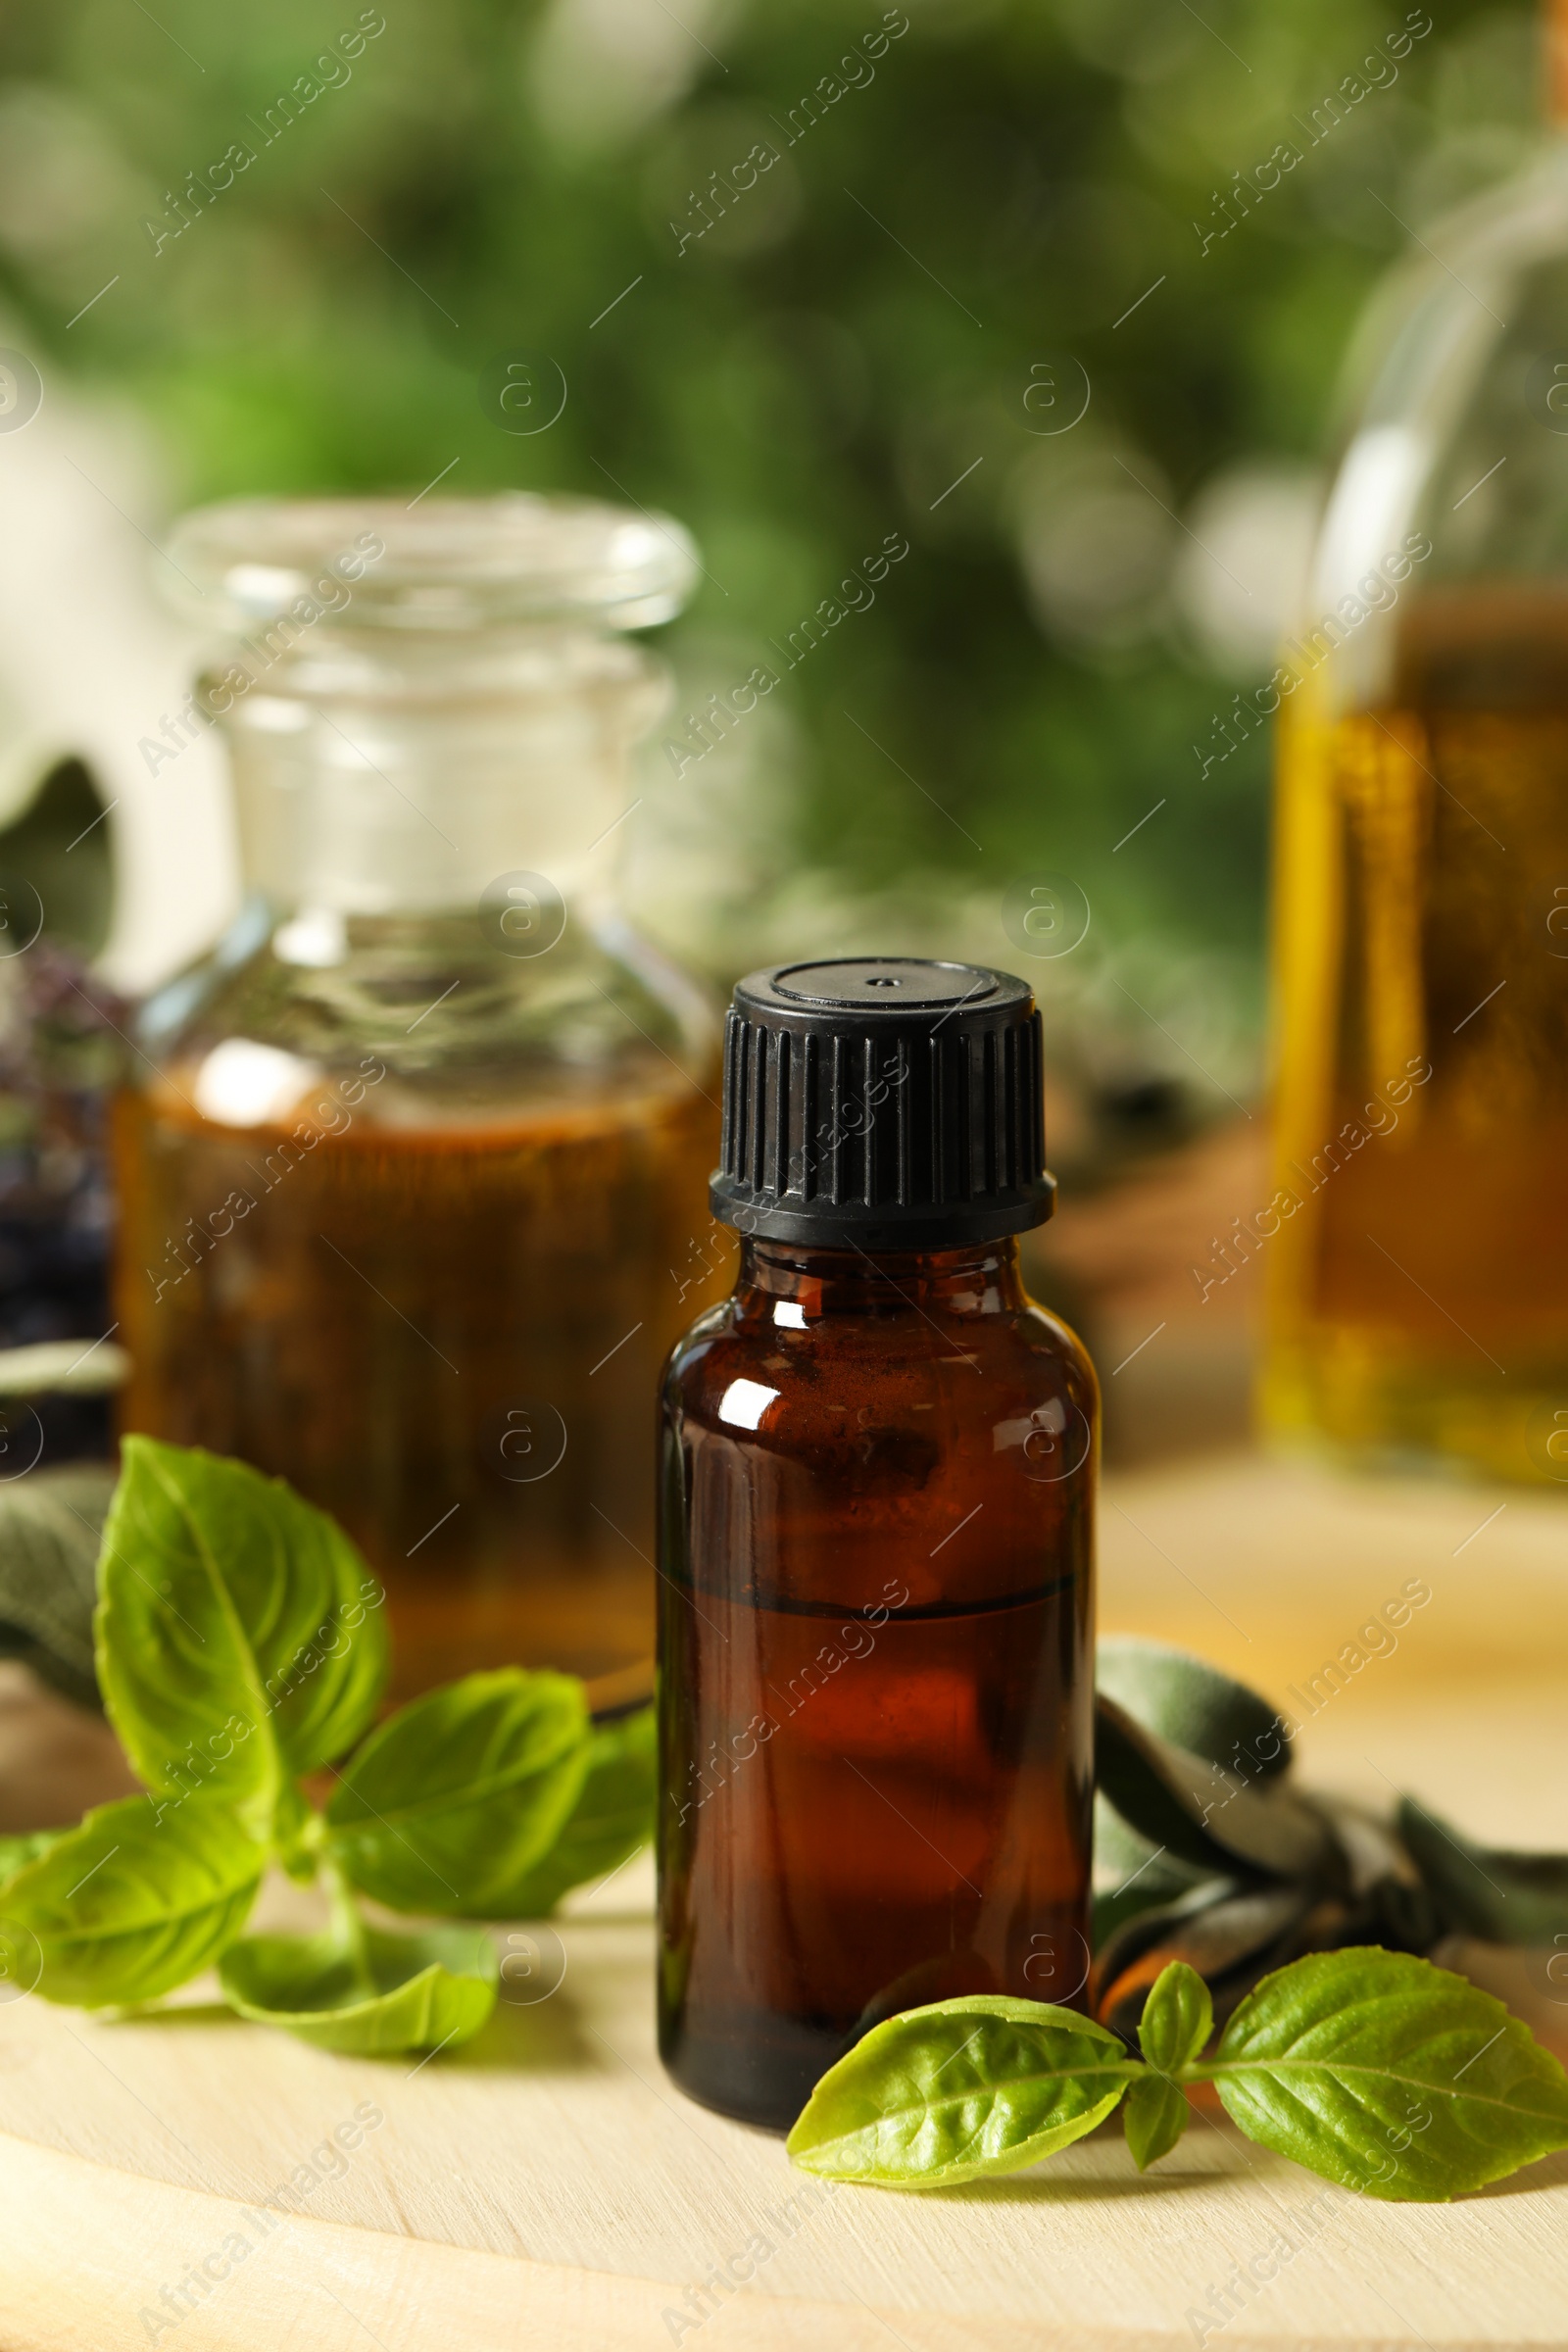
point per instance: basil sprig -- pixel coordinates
(241, 1647)
(238, 1634)
(355, 1987)
(126, 1906)
(449, 1803)
(1372, 2067)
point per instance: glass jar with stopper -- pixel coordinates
(413, 1172)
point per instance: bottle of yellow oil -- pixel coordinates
(1416, 1240)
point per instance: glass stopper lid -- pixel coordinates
(435, 564)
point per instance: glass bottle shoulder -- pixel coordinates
(458, 1026)
(767, 1372)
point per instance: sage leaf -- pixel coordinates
(1387, 2075)
(240, 1635)
(1130, 1875)
(1191, 1704)
(452, 1801)
(50, 1525)
(1120, 1852)
(1486, 1891)
(1178, 2019)
(1154, 2119)
(1229, 1933)
(613, 1817)
(981, 2084)
(1386, 1902)
(142, 1895)
(358, 1989)
(1197, 1811)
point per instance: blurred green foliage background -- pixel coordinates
(1011, 187)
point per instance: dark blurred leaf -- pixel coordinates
(1486, 1891)
(1390, 1904)
(60, 847)
(1197, 1811)
(50, 1525)
(1232, 1934)
(1228, 1933)
(1130, 1874)
(1192, 1704)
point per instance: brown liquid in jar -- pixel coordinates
(446, 1336)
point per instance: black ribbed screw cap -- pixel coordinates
(883, 1102)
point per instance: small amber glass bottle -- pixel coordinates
(876, 1544)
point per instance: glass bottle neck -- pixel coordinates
(377, 774)
(978, 1279)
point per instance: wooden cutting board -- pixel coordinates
(545, 2187)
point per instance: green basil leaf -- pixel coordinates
(1483, 1890)
(613, 1817)
(1202, 1813)
(25, 1847)
(452, 1801)
(1388, 2075)
(1178, 2019)
(984, 2083)
(143, 1894)
(1191, 1704)
(1154, 2119)
(365, 1991)
(240, 1637)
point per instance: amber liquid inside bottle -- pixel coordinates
(1420, 1281)
(447, 1335)
(874, 1658)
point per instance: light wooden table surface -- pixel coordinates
(546, 2187)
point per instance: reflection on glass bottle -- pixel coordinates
(409, 1182)
(1419, 1256)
